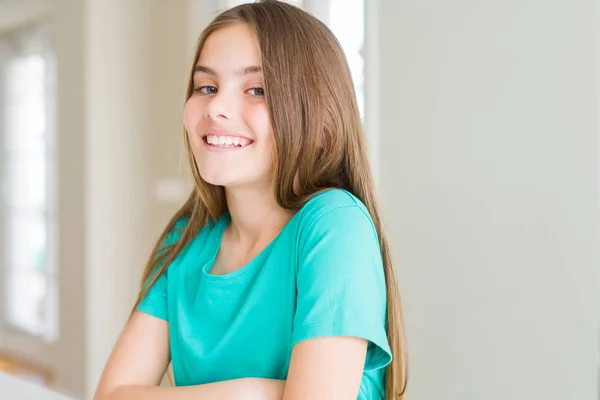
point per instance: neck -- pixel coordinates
(255, 215)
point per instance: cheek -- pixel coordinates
(260, 121)
(192, 114)
(262, 124)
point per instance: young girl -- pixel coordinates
(274, 280)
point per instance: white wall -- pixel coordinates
(489, 175)
(137, 58)
(69, 351)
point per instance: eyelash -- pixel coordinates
(202, 89)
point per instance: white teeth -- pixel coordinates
(226, 141)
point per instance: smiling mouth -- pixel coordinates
(227, 141)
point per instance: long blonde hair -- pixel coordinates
(319, 143)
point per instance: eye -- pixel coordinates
(206, 90)
(258, 92)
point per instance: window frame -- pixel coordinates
(41, 34)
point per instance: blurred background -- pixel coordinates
(482, 119)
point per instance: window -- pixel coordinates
(346, 18)
(28, 221)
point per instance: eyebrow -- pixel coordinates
(250, 70)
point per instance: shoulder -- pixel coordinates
(337, 203)
(335, 211)
(177, 230)
(198, 242)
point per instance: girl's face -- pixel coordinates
(226, 118)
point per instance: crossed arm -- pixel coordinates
(321, 368)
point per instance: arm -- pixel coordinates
(140, 359)
(326, 368)
(339, 326)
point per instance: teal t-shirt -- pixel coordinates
(321, 276)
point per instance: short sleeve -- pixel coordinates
(155, 302)
(341, 282)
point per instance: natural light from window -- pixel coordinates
(27, 215)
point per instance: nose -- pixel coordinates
(220, 106)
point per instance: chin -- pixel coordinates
(219, 177)
(231, 177)
(231, 182)
(216, 179)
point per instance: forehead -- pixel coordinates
(231, 47)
